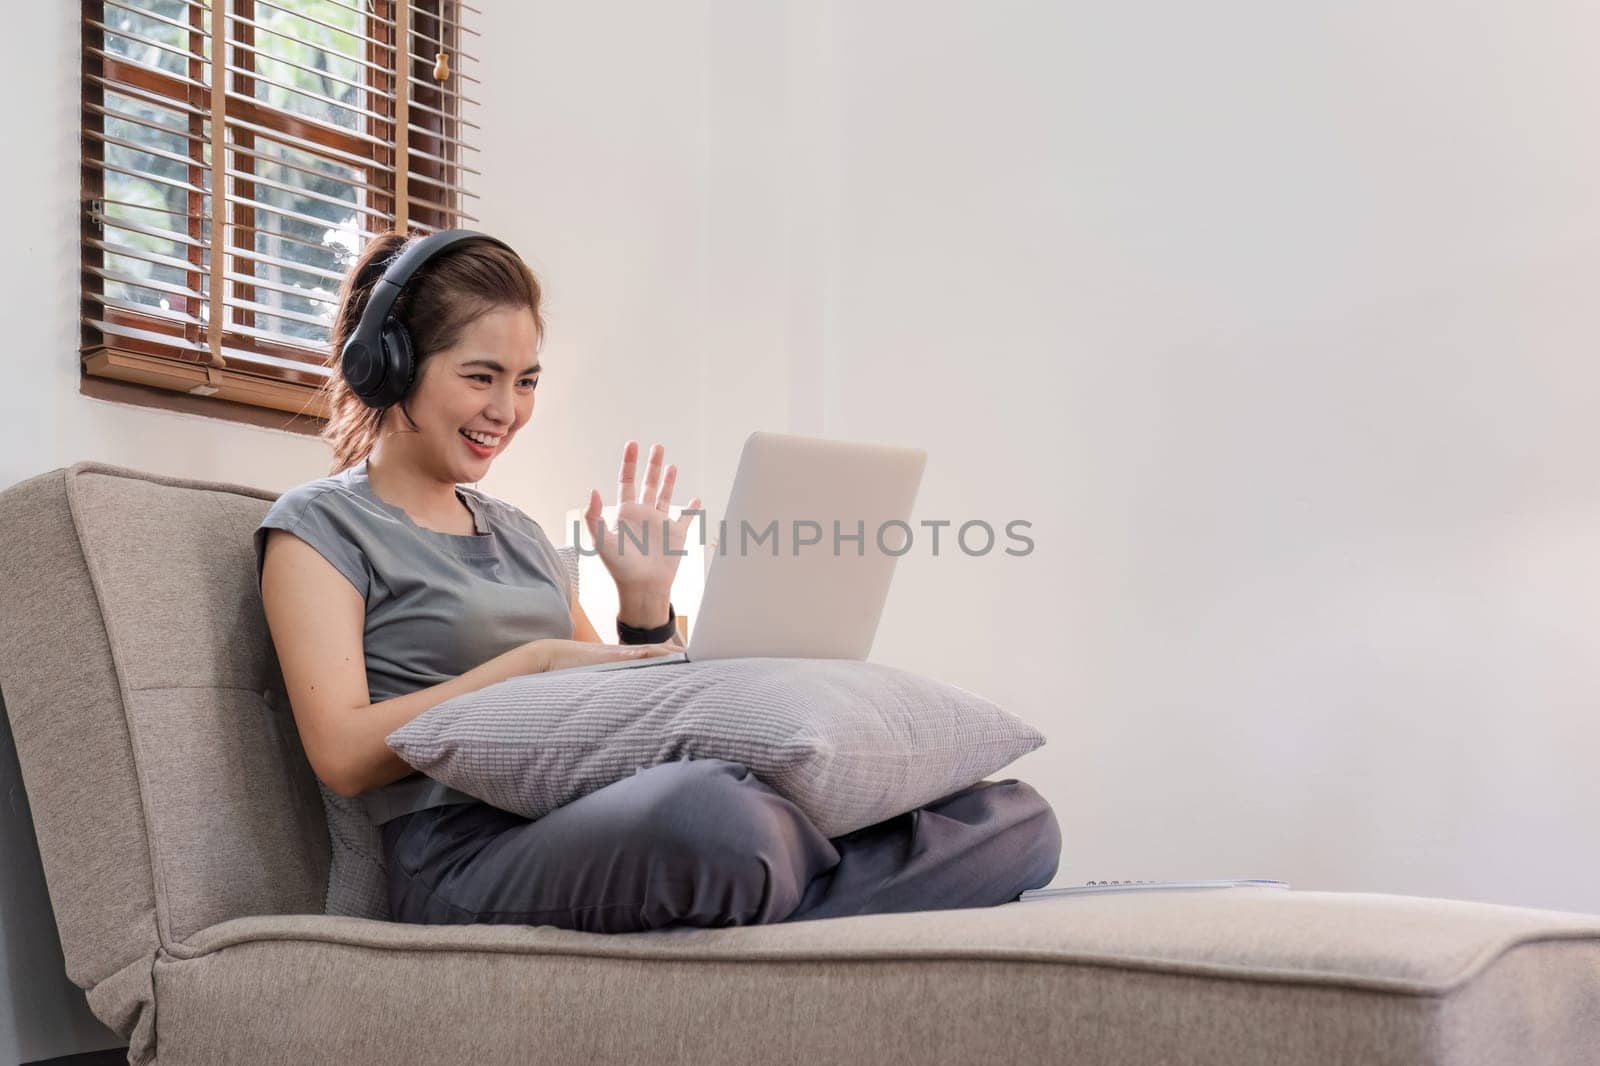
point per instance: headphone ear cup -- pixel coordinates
(399, 364)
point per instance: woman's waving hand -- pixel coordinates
(642, 551)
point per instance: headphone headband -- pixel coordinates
(377, 359)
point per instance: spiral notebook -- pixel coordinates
(1143, 886)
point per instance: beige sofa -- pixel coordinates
(185, 850)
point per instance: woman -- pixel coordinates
(390, 587)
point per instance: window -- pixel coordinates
(309, 105)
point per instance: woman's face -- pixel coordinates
(484, 383)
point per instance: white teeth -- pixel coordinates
(487, 442)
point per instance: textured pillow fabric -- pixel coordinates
(358, 874)
(850, 743)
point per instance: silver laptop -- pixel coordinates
(781, 583)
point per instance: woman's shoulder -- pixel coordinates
(323, 493)
(315, 512)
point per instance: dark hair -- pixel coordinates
(448, 292)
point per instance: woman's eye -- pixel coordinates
(485, 379)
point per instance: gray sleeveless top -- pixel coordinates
(437, 604)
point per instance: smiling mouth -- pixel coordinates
(480, 450)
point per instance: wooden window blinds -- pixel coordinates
(307, 117)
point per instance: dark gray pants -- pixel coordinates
(704, 842)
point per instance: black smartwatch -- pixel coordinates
(627, 634)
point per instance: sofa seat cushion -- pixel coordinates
(1242, 975)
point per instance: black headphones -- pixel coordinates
(377, 360)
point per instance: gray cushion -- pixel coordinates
(358, 873)
(850, 743)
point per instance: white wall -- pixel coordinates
(594, 169)
(1271, 321)
(1278, 325)
(1274, 322)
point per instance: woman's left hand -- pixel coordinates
(639, 562)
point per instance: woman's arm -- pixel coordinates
(583, 629)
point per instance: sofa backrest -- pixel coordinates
(168, 786)
(167, 783)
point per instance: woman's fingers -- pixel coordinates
(652, 474)
(591, 515)
(660, 477)
(685, 518)
(664, 497)
(625, 493)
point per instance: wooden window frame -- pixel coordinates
(182, 377)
